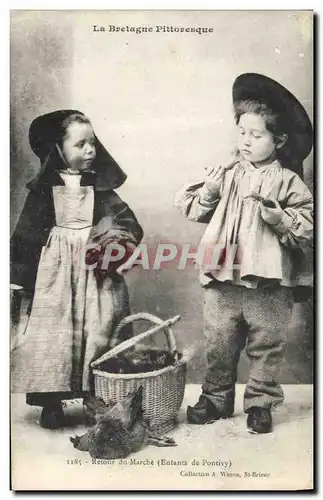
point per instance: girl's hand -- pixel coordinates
(271, 212)
(15, 290)
(17, 294)
(94, 256)
(213, 179)
(15, 287)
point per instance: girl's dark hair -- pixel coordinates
(75, 117)
(276, 124)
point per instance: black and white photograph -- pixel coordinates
(161, 250)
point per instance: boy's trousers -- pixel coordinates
(235, 317)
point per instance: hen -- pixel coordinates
(119, 429)
(140, 360)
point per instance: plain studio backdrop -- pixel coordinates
(161, 104)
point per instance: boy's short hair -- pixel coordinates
(275, 124)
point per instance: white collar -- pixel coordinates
(249, 166)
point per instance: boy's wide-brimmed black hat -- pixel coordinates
(254, 86)
(46, 131)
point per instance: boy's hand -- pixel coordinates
(271, 212)
(213, 179)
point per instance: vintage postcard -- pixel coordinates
(161, 279)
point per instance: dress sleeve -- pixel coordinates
(114, 221)
(296, 227)
(196, 202)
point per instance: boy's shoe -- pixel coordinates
(259, 420)
(204, 412)
(52, 416)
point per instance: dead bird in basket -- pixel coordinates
(119, 430)
(139, 360)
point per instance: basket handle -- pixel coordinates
(160, 324)
(153, 319)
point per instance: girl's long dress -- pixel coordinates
(73, 315)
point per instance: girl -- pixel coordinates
(259, 208)
(71, 205)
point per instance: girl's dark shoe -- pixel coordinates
(52, 416)
(204, 412)
(259, 420)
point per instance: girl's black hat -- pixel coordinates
(254, 86)
(46, 131)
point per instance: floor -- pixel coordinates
(220, 456)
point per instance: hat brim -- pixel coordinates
(254, 86)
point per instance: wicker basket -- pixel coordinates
(163, 390)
